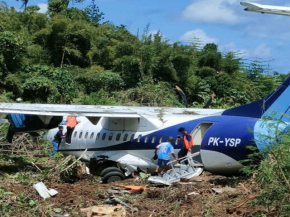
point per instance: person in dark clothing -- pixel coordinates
(187, 142)
(57, 140)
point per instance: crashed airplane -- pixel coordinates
(123, 139)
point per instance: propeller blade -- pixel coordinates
(207, 104)
(181, 93)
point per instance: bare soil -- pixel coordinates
(175, 200)
(206, 195)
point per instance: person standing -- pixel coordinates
(164, 150)
(71, 123)
(57, 140)
(187, 142)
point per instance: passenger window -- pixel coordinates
(146, 139)
(75, 134)
(125, 137)
(139, 138)
(86, 135)
(92, 136)
(132, 137)
(161, 139)
(153, 139)
(110, 136)
(118, 136)
(104, 136)
(98, 136)
(81, 134)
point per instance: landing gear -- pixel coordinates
(112, 174)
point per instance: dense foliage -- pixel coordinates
(70, 55)
(273, 172)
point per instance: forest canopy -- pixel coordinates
(68, 55)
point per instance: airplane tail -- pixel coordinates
(275, 105)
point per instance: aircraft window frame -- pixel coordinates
(139, 138)
(132, 137)
(153, 139)
(98, 136)
(81, 135)
(86, 135)
(161, 139)
(110, 136)
(92, 135)
(118, 136)
(146, 139)
(125, 137)
(104, 136)
(75, 134)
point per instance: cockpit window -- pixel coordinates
(161, 139)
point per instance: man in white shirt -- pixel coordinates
(164, 150)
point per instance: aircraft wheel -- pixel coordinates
(113, 176)
(110, 169)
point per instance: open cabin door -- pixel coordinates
(197, 135)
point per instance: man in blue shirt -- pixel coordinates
(164, 150)
(57, 140)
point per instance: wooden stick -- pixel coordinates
(75, 161)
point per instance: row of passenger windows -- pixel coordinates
(118, 137)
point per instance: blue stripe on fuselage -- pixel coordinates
(228, 135)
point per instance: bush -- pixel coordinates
(273, 172)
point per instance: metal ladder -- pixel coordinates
(187, 171)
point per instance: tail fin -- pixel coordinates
(277, 103)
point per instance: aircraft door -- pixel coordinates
(197, 135)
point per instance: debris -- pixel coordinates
(43, 191)
(193, 193)
(133, 188)
(105, 211)
(118, 200)
(225, 189)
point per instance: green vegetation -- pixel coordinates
(70, 55)
(272, 173)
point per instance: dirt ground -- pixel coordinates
(196, 197)
(206, 195)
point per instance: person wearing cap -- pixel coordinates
(187, 142)
(164, 150)
(57, 140)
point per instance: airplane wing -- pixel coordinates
(67, 110)
(269, 9)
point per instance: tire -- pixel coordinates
(113, 176)
(110, 169)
